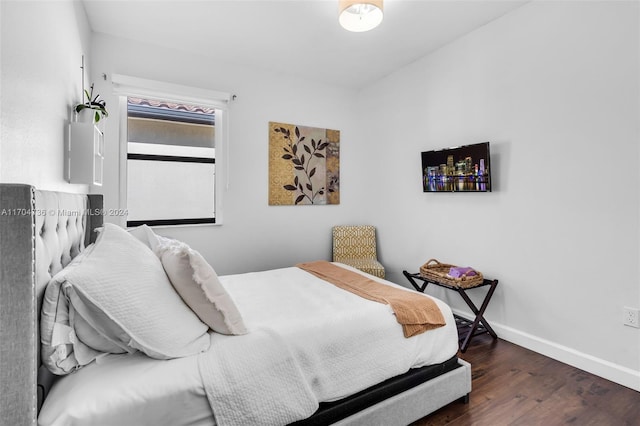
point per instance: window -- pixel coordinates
(172, 143)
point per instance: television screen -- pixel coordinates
(458, 169)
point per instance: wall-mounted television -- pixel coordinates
(464, 168)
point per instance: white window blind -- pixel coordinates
(174, 136)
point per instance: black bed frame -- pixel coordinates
(331, 412)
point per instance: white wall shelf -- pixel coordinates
(85, 154)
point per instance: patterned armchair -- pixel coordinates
(355, 245)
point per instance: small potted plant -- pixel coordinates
(95, 107)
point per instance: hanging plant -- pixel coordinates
(93, 103)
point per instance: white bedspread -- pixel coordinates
(255, 381)
(309, 341)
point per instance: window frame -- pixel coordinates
(127, 86)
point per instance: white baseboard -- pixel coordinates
(608, 370)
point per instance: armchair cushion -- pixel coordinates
(355, 245)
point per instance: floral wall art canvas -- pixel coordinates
(304, 165)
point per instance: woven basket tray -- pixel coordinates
(439, 272)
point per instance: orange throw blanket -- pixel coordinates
(415, 312)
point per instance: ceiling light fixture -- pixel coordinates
(360, 15)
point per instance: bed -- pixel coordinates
(41, 232)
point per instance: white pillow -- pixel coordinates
(121, 290)
(61, 350)
(146, 236)
(198, 285)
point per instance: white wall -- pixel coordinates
(554, 87)
(40, 80)
(254, 235)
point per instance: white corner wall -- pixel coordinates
(42, 44)
(554, 86)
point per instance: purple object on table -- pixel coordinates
(458, 271)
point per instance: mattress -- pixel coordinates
(301, 309)
(129, 390)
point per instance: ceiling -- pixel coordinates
(297, 37)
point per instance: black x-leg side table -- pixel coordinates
(466, 329)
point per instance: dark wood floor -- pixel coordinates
(515, 386)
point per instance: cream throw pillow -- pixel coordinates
(198, 285)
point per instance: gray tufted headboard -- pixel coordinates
(40, 232)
